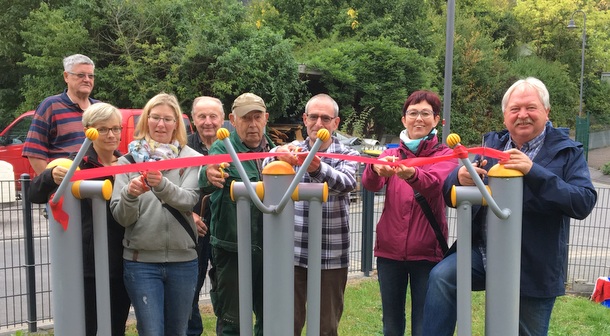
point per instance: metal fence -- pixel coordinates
(25, 293)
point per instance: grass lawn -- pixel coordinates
(572, 315)
(362, 315)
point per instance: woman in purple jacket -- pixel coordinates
(407, 247)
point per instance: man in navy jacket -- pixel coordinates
(556, 187)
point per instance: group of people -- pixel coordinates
(165, 227)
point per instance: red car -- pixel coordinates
(13, 137)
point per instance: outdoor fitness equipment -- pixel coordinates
(503, 245)
(68, 300)
(279, 179)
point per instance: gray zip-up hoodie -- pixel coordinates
(152, 233)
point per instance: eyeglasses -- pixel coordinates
(166, 120)
(413, 114)
(105, 130)
(314, 118)
(82, 75)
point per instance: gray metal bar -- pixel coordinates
(504, 259)
(314, 267)
(464, 269)
(278, 259)
(299, 174)
(98, 191)
(244, 261)
(493, 206)
(102, 265)
(77, 159)
(244, 177)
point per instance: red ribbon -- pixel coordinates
(62, 217)
(58, 212)
(87, 174)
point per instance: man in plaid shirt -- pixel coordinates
(322, 111)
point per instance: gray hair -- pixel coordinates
(72, 60)
(212, 99)
(529, 82)
(323, 96)
(100, 112)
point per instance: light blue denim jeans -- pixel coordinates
(440, 310)
(161, 295)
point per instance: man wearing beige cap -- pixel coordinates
(249, 117)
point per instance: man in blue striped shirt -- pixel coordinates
(57, 129)
(322, 111)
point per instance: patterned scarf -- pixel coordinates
(151, 150)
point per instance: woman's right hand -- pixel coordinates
(137, 187)
(385, 170)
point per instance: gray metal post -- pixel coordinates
(314, 267)
(278, 239)
(66, 249)
(464, 269)
(464, 198)
(278, 258)
(278, 254)
(99, 192)
(244, 262)
(30, 263)
(102, 266)
(504, 256)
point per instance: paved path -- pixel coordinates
(597, 158)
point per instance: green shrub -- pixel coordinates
(606, 169)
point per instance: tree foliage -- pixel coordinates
(356, 74)
(371, 54)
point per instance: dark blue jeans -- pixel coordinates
(161, 295)
(394, 276)
(440, 311)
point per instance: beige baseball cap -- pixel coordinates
(246, 103)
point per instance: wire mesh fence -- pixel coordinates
(25, 292)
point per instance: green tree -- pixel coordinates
(227, 53)
(544, 30)
(562, 90)
(371, 80)
(141, 41)
(479, 71)
(262, 64)
(49, 35)
(11, 55)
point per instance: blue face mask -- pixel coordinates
(413, 144)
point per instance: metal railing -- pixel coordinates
(25, 265)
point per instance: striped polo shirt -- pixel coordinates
(56, 129)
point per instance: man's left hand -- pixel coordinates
(518, 161)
